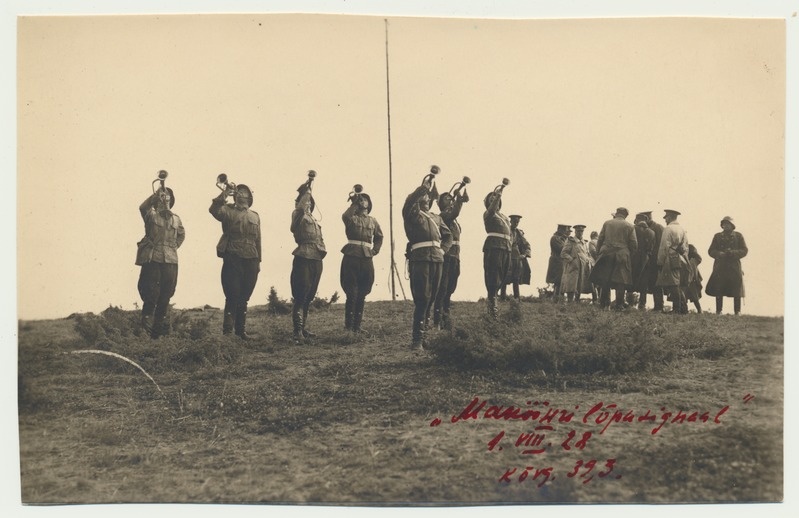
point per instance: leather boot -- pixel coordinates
(296, 319)
(417, 337)
(147, 323)
(348, 312)
(306, 332)
(241, 323)
(356, 322)
(493, 308)
(158, 327)
(437, 319)
(227, 323)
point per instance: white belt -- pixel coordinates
(424, 244)
(355, 242)
(456, 243)
(497, 234)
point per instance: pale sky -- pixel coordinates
(582, 116)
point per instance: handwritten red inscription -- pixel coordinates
(546, 417)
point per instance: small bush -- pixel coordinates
(275, 305)
(321, 303)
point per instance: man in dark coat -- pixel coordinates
(157, 255)
(641, 259)
(613, 271)
(429, 239)
(519, 272)
(652, 268)
(240, 250)
(364, 240)
(555, 265)
(727, 249)
(451, 270)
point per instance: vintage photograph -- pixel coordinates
(384, 260)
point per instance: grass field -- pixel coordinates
(354, 419)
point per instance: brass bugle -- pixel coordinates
(161, 177)
(504, 184)
(224, 184)
(434, 170)
(459, 185)
(356, 189)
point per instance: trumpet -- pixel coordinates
(434, 170)
(161, 177)
(357, 189)
(500, 187)
(457, 187)
(224, 185)
(311, 176)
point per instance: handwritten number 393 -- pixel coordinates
(589, 466)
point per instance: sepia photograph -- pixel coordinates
(344, 257)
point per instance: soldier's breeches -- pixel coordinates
(496, 263)
(305, 275)
(425, 280)
(357, 276)
(157, 282)
(238, 279)
(450, 272)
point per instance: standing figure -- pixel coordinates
(727, 249)
(673, 261)
(576, 266)
(497, 246)
(555, 265)
(613, 270)
(519, 265)
(157, 255)
(594, 253)
(652, 269)
(641, 259)
(306, 269)
(364, 239)
(429, 239)
(240, 250)
(450, 204)
(694, 290)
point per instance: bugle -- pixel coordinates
(434, 170)
(161, 177)
(456, 188)
(225, 185)
(501, 186)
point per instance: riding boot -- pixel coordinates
(493, 308)
(241, 322)
(158, 327)
(229, 319)
(296, 319)
(417, 339)
(306, 333)
(356, 322)
(437, 319)
(446, 323)
(348, 314)
(147, 322)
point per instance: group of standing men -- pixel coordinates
(645, 257)
(240, 250)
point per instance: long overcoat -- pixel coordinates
(555, 265)
(616, 242)
(727, 279)
(673, 257)
(642, 257)
(576, 267)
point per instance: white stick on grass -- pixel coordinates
(115, 355)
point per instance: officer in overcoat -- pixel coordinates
(727, 249)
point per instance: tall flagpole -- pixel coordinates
(394, 270)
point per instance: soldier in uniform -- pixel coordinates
(555, 265)
(306, 269)
(594, 253)
(157, 254)
(613, 271)
(576, 266)
(364, 239)
(496, 248)
(429, 238)
(672, 260)
(519, 272)
(727, 249)
(240, 250)
(641, 259)
(450, 206)
(652, 268)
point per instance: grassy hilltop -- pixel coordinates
(355, 418)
